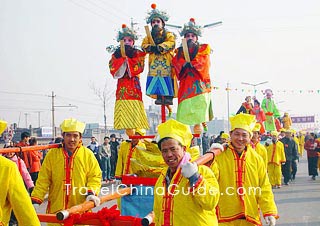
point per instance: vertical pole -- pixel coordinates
(52, 109)
(228, 103)
(163, 113)
(26, 116)
(39, 118)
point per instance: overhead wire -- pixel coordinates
(91, 11)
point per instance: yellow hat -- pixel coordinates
(288, 131)
(274, 133)
(282, 130)
(3, 126)
(142, 132)
(224, 136)
(243, 121)
(175, 130)
(257, 127)
(72, 125)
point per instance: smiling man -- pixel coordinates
(185, 194)
(243, 180)
(71, 173)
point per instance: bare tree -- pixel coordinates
(105, 96)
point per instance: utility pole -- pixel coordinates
(52, 114)
(132, 23)
(53, 110)
(26, 116)
(39, 118)
(228, 103)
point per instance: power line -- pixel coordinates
(30, 94)
(105, 10)
(86, 8)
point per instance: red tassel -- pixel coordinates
(153, 6)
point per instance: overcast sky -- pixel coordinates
(59, 46)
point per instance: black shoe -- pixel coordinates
(286, 184)
(168, 101)
(313, 177)
(158, 100)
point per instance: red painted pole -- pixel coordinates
(163, 113)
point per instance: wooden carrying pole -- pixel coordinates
(28, 148)
(87, 205)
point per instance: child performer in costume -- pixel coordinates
(246, 107)
(126, 66)
(260, 115)
(194, 95)
(159, 44)
(270, 110)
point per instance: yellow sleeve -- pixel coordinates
(94, 174)
(120, 161)
(145, 43)
(208, 186)
(169, 43)
(44, 178)
(265, 199)
(20, 200)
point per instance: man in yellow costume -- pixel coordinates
(13, 195)
(260, 149)
(243, 179)
(127, 151)
(184, 194)
(286, 121)
(194, 95)
(159, 44)
(129, 111)
(70, 174)
(276, 157)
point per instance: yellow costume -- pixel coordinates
(262, 151)
(178, 208)
(276, 156)
(297, 142)
(286, 121)
(67, 178)
(301, 144)
(14, 196)
(126, 152)
(238, 175)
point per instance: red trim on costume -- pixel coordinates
(131, 150)
(197, 183)
(168, 198)
(68, 168)
(126, 179)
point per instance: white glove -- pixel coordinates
(36, 206)
(268, 141)
(270, 220)
(216, 148)
(188, 169)
(94, 199)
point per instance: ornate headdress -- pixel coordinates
(191, 27)
(155, 13)
(126, 32)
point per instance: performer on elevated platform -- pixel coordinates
(126, 65)
(160, 44)
(192, 69)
